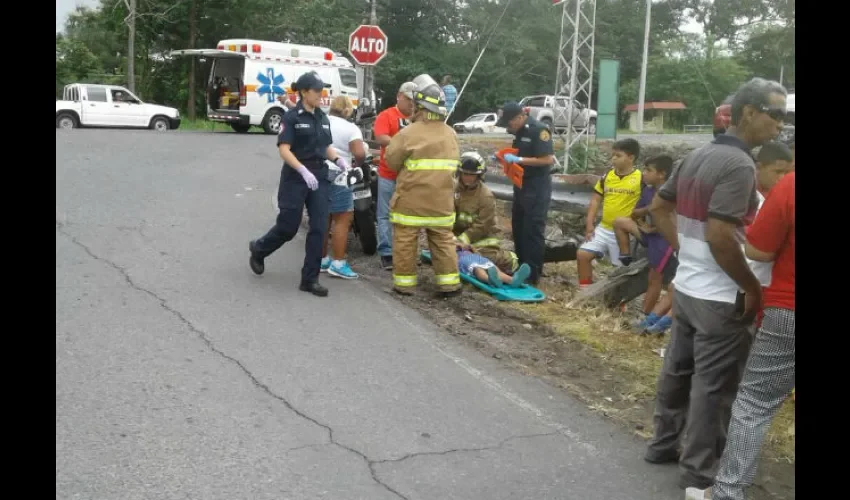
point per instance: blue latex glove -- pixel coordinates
(308, 177)
(512, 158)
(342, 163)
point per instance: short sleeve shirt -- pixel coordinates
(308, 134)
(389, 122)
(533, 140)
(344, 133)
(619, 195)
(718, 181)
(774, 231)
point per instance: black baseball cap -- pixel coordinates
(510, 110)
(308, 81)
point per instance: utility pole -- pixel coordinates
(131, 46)
(193, 33)
(369, 71)
(642, 91)
(781, 73)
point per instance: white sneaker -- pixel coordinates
(697, 494)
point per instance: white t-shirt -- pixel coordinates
(762, 270)
(343, 132)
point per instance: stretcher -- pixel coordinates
(525, 293)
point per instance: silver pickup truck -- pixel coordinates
(553, 111)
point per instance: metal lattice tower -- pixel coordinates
(575, 73)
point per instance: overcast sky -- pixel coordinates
(65, 7)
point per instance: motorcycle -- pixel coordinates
(365, 192)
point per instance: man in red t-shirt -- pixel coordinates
(387, 124)
(770, 372)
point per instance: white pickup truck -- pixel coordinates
(89, 105)
(553, 111)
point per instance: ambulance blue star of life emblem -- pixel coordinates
(271, 84)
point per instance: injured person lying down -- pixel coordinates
(485, 271)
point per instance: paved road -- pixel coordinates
(179, 374)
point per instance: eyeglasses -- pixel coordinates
(777, 114)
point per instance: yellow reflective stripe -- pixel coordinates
(404, 279)
(448, 279)
(465, 217)
(464, 238)
(487, 242)
(426, 164)
(413, 220)
(514, 261)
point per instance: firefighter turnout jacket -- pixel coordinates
(476, 224)
(425, 155)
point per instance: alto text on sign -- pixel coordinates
(367, 45)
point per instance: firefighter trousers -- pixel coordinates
(406, 254)
(504, 260)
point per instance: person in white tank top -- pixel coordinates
(348, 142)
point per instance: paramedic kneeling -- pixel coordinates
(531, 202)
(305, 142)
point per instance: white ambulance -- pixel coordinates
(247, 78)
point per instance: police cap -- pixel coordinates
(308, 81)
(510, 110)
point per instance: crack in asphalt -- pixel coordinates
(60, 227)
(465, 450)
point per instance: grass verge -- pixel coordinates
(632, 359)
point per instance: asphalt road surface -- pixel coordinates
(180, 375)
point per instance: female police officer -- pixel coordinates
(304, 144)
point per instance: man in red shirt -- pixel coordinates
(387, 124)
(770, 372)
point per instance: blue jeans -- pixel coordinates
(386, 188)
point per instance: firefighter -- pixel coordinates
(475, 206)
(425, 155)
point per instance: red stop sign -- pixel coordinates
(367, 44)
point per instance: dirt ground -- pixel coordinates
(588, 352)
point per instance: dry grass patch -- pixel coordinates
(632, 360)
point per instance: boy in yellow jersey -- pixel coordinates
(618, 191)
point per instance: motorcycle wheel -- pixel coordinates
(366, 232)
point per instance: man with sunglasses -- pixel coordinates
(713, 195)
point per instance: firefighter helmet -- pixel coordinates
(472, 163)
(428, 95)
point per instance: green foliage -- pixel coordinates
(437, 37)
(702, 84)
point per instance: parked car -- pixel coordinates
(481, 123)
(723, 115)
(89, 105)
(553, 111)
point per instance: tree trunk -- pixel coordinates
(193, 32)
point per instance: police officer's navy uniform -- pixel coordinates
(531, 202)
(309, 135)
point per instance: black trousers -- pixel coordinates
(292, 196)
(528, 221)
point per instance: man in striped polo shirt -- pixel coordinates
(713, 193)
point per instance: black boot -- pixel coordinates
(256, 263)
(315, 288)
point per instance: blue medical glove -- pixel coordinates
(512, 158)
